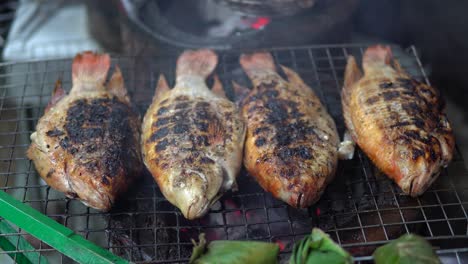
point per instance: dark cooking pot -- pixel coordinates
(271, 8)
(143, 25)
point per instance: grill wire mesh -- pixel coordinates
(361, 209)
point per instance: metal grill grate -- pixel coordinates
(361, 209)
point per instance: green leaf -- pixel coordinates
(318, 247)
(10, 243)
(233, 252)
(198, 249)
(408, 249)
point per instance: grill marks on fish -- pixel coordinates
(190, 130)
(99, 124)
(410, 111)
(285, 125)
(405, 131)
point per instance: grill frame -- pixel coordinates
(358, 203)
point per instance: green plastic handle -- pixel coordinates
(54, 234)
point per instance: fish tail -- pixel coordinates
(91, 69)
(197, 62)
(377, 54)
(257, 63)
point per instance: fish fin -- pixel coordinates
(293, 77)
(377, 54)
(352, 75)
(240, 92)
(256, 63)
(399, 69)
(116, 84)
(196, 62)
(296, 80)
(90, 68)
(347, 146)
(215, 132)
(218, 87)
(161, 86)
(57, 95)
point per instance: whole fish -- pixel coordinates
(291, 146)
(397, 121)
(86, 144)
(193, 137)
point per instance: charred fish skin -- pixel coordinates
(396, 120)
(291, 143)
(193, 137)
(86, 143)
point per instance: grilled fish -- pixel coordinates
(291, 143)
(397, 121)
(193, 137)
(86, 143)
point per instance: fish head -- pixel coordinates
(416, 169)
(194, 191)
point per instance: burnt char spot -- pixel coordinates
(400, 124)
(419, 123)
(406, 83)
(55, 133)
(412, 134)
(182, 98)
(160, 133)
(260, 130)
(189, 160)
(180, 128)
(90, 148)
(253, 108)
(101, 124)
(206, 160)
(202, 126)
(412, 108)
(104, 180)
(49, 173)
(65, 143)
(286, 154)
(162, 111)
(372, 100)
(162, 121)
(417, 153)
(303, 152)
(386, 85)
(390, 95)
(162, 145)
(203, 105)
(270, 93)
(433, 155)
(278, 111)
(182, 105)
(260, 141)
(199, 140)
(202, 115)
(92, 165)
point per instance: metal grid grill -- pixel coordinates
(361, 209)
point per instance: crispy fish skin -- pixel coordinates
(397, 121)
(291, 143)
(86, 143)
(192, 137)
